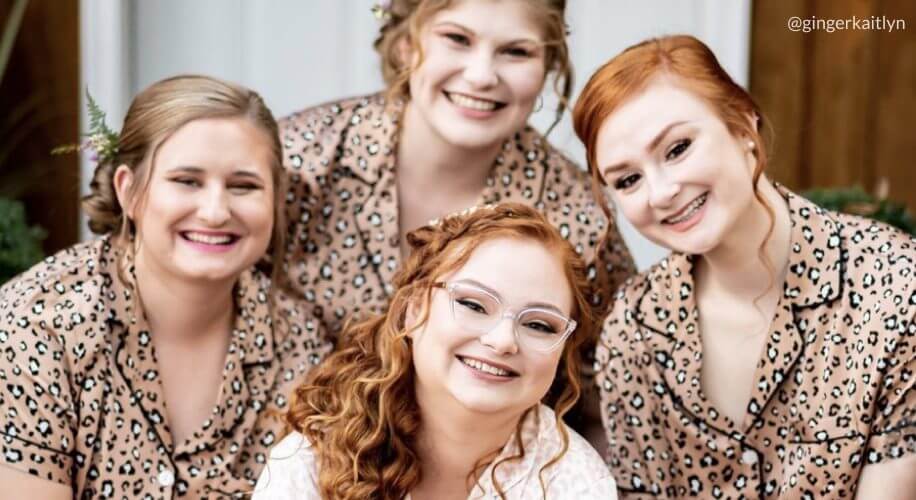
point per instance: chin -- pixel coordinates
(485, 405)
(481, 400)
(211, 273)
(697, 246)
(471, 136)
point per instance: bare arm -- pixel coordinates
(17, 484)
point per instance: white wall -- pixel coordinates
(297, 53)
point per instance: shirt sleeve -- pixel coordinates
(894, 428)
(290, 472)
(616, 262)
(37, 417)
(611, 366)
(603, 488)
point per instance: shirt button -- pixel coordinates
(166, 478)
(749, 457)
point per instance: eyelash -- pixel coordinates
(457, 38)
(464, 41)
(186, 181)
(626, 181)
(194, 183)
(678, 149)
(675, 152)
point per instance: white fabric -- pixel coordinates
(291, 472)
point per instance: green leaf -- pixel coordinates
(854, 200)
(20, 244)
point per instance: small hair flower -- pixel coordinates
(462, 213)
(101, 140)
(382, 10)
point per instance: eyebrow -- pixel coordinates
(652, 145)
(197, 170)
(461, 27)
(539, 305)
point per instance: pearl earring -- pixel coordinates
(751, 145)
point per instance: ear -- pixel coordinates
(405, 51)
(412, 316)
(123, 181)
(753, 120)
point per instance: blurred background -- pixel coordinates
(841, 103)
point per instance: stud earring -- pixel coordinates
(751, 145)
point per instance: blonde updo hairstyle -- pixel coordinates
(407, 18)
(154, 115)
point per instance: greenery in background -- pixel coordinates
(20, 245)
(856, 201)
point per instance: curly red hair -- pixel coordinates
(358, 408)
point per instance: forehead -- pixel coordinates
(217, 143)
(639, 119)
(520, 270)
(504, 19)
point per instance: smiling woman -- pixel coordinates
(168, 322)
(459, 388)
(772, 353)
(449, 132)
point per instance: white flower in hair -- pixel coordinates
(462, 213)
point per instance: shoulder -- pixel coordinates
(57, 309)
(294, 446)
(662, 275)
(876, 242)
(878, 261)
(70, 281)
(562, 174)
(316, 140)
(332, 115)
(580, 471)
(290, 472)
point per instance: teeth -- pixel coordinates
(479, 365)
(469, 102)
(208, 239)
(689, 211)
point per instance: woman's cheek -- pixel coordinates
(635, 209)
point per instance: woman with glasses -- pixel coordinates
(459, 388)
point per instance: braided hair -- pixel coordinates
(358, 408)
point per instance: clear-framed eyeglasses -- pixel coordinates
(536, 328)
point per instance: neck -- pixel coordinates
(452, 442)
(182, 312)
(734, 266)
(428, 163)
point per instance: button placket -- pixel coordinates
(749, 457)
(166, 478)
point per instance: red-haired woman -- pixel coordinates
(442, 395)
(772, 354)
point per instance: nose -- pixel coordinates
(662, 190)
(214, 206)
(501, 338)
(480, 70)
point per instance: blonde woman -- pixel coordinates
(146, 363)
(449, 132)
